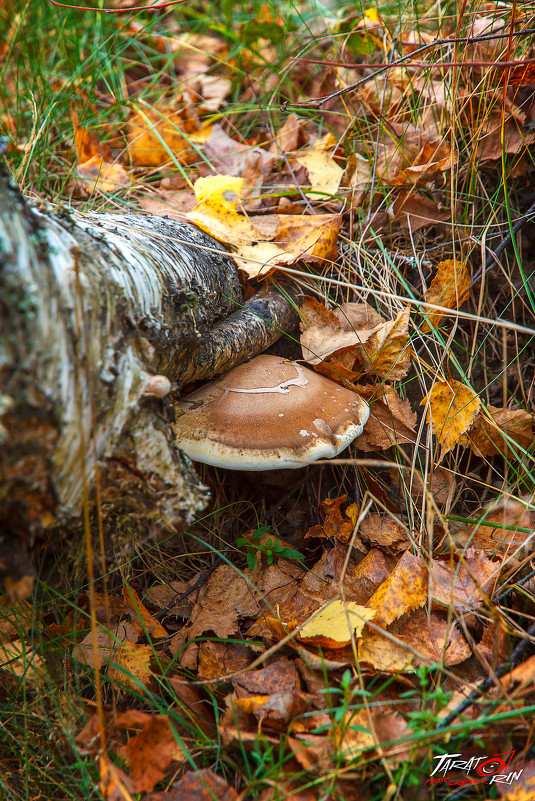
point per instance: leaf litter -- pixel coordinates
(262, 649)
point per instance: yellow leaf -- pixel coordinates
(404, 590)
(155, 135)
(324, 173)
(387, 353)
(449, 288)
(334, 623)
(452, 409)
(131, 666)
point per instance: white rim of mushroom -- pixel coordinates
(268, 414)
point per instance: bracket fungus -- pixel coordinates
(268, 414)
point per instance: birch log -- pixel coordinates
(91, 306)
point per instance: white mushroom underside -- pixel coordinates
(269, 414)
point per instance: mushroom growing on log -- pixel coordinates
(269, 414)
(92, 308)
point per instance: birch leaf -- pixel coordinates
(452, 410)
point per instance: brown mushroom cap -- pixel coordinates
(267, 414)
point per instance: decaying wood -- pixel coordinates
(91, 306)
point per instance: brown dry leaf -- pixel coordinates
(356, 179)
(504, 526)
(151, 752)
(449, 288)
(166, 595)
(19, 659)
(213, 90)
(357, 338)
(149, 128)
(219, 659)
(440, 484)
(87, 144)
(452, 410)
(434, 158)
(385, 532)
(288, 136)
(198, 785)
(138, 612)
(490, 144)
(463, 586)
(15, 619)
(115, 784)
(97, 174)
(414, 211)
(387, 353)
(280, 676)
(523, 674)
(227, 596)
(391, 421)
(169, 204)
(434, 638)
(491, 435)
(108, 642)
(276, 710)
(130, 667)
(338, 524)
(334, 625)
(363, 730)
(404, 590)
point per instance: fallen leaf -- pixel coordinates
(391, 421)
(491, 144)
(405, 589)
(108, 642)
(387, 353)
(491, 435)
(138, 612)
(151, 752)
(287, 137)
(198, 785)
(360, 731)
(463, 586)
(449, 288)
(219, 659)
(414, 211)
(324, 174)
(440, 484)
(19, 659)
(385, 532)
(159, 133)
(435, 639)
(503, 527)
(280, 676)
(276, 710)
(262, 243)
(451, 411)
(130, 667)
(96, 174)
(335, 624)
(213, 90)
(229, 157)
(87, 144)
(335, 523)
(434, 157)
(356, 178)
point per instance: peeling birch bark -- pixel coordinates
(91, 306)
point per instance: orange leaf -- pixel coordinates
(452, 410)
(405, 589)
(449, 288)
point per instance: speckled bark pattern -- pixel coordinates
(91, 306)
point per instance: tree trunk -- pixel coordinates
(91, 306)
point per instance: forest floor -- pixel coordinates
(336, 632)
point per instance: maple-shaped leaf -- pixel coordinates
(452, 409)
(449, 288)
(405, 589)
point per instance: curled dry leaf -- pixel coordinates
(452, 409)
(391, 421)
(108, 642)
(357, 338)
(334, 625)
(498, 432)
(141, 616)
(130, 667)
(449, 288)
(336, 524)
(405, 589)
